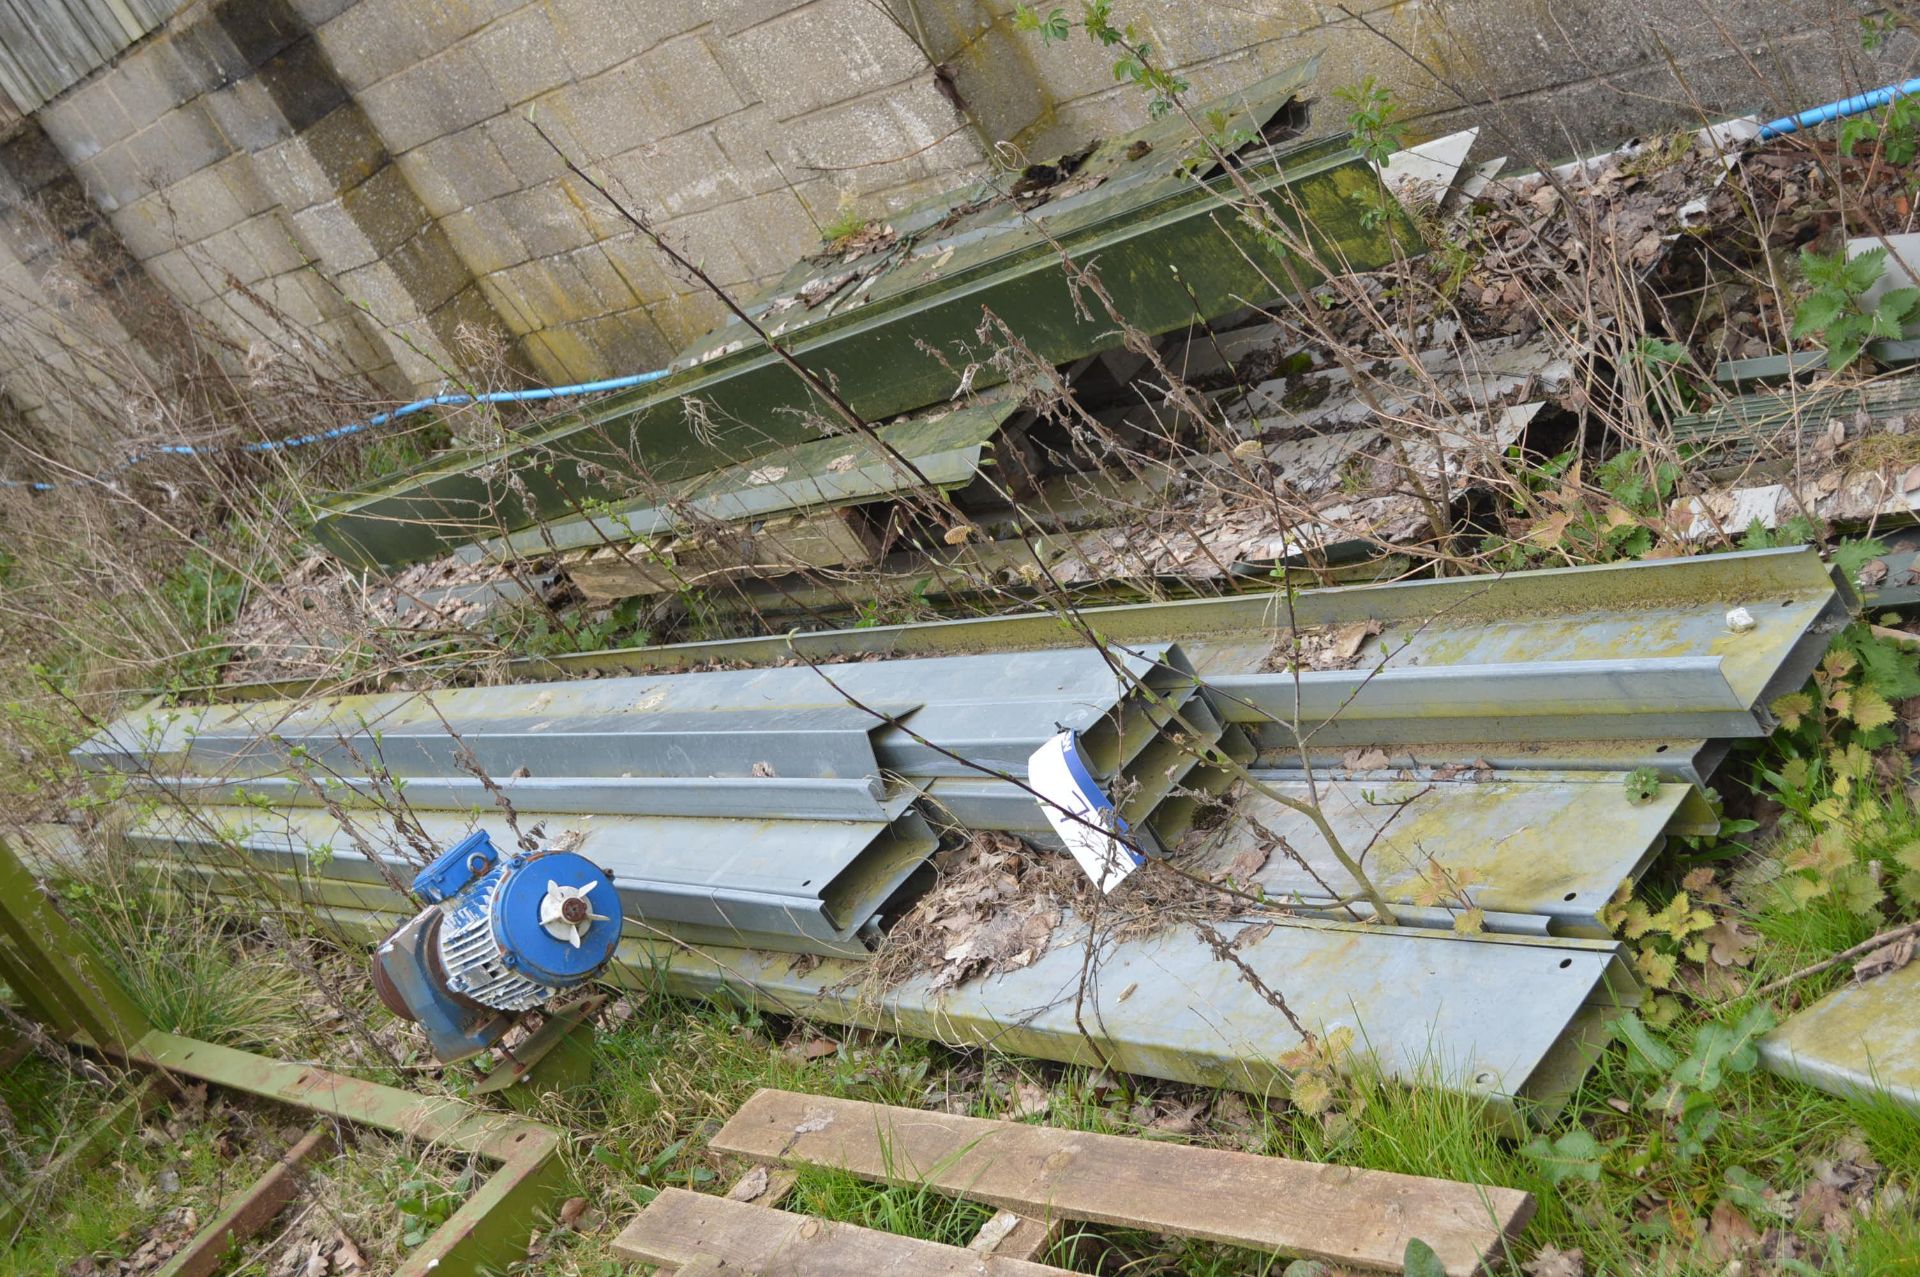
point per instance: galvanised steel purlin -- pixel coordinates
(1862, 1040)
(794, 885)
(792, 721)
(727, 797)
(1541, 700)
(1513, 1020)
(892, 348)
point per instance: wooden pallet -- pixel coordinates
(1038, 1178)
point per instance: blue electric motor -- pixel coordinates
(501, 936)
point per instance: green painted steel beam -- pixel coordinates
(894, 348)
(489, 1230)
(59, 969)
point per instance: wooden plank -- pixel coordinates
(763, 1186)
(679, 1228)
(251, 1210)
(1013, 1236)
(1335, 1213)
(825, 538)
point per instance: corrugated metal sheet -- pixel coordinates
(48, 46)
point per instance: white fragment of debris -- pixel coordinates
(1080, 811)
(1740, 620)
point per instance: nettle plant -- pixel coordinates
(1846, 819)
(1838, 311)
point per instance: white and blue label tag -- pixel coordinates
(1080, 811)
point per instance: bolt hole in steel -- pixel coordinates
(1786, 602)
(1483, 1078)
(1571, 894)
(1661, 749)
(1565, 963)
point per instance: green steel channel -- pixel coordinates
(891, 356)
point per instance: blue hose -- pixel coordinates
(1838, 110)
(380, 419)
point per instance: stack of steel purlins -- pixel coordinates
(732, 807)
(1476, 759)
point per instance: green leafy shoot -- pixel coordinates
(1837, 309)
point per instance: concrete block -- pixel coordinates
(183, 141)
(752, 142)
(505, 301)
(522, 53)
(85, 122)
(458, 171)
(430, 269)
(386, 209)
(609, 288)
(303, 84)
(566, 354)
(334, 238)
(201, 204)
(227, 257)
(147, 228)
(526, 153)
(642, 267)
(685, 84)
(881, 141)
(347, 148)
(608, 114)
(629, 342)
(431, 100)
(319, 12)
(676, 176)
(596, 35)
(185, 279)
(548, 221)
(485, 241)
(269, 239)
(375, 39)
(730, 17)
(259, 29)
(550, 292)
(296, 299)
(823, 53)
(244, 184)
(246, 115)
(467, 316)
(142, 92)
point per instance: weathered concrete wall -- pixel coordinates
(369, 170)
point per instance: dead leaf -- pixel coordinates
(571, 1210)
(1030, 1100)
(752, 1186)
(1364, 760)
(1887, 958)
(959, 534)
(767, 474)
(1244, 866)
(1349, 639)
(1729, 1235)
(763, 770)
(815, 1120)
(317, 1264)
(347, 1258)
(842, 463)
(1551, 1261)
(1730, 945)
(1247, 448)
(1872, 573)
(1179, 1120)
(816, 1048)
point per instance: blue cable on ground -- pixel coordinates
(380, 419)
(1838, 110)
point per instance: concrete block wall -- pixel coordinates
(372, 173)
(735, 127)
